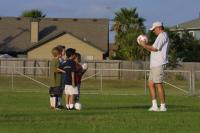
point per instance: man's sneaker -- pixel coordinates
(152, 108)
(163, 109)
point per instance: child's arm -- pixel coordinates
(57, 70)
(60, 70)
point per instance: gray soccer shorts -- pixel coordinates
(157, 74)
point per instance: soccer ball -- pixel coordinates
(142, 38)
(84, 66)
(77, 106)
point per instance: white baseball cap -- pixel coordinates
(156, 24)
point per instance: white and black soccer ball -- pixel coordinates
(78, 106)
(142, 38)
(84, 66)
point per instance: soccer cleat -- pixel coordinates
(71, 108)
(52, 108)
(152, 108)
(163, 109)
(60, 107)
(57, 109)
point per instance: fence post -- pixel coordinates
(12, 79)
(119, 70)
(193, 82)
(145, 74)
(34, 69)
(95, 70)
(48, 68)
(145, 84)
(190, 81)
(24, 65)
(101, 81)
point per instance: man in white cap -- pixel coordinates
(158, 61)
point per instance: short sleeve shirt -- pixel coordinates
(69, 66)
(160, 57)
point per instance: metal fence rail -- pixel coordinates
(104, 81)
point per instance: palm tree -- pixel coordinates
(127, 26)
(34, 13)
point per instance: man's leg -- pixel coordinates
(161, 93)
(152, 89)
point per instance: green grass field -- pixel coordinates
(28, 112)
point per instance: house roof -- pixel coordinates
(55, 35)
(15, 32)
(192, 24)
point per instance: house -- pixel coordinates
(34, 38)
(192, 26)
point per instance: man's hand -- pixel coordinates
(147, 47)
(142, 43)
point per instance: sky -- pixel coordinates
(170, 12)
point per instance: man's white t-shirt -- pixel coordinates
(161, 56)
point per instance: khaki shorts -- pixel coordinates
(157, 74)
(70, 90)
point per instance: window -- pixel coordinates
(192, 33)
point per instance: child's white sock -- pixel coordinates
(67, 106)
(53, 102)
(71, 106)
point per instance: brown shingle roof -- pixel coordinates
(192, 24)
(55, 35)
(15, 32)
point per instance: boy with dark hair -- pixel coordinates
(79, 73)
(55, 79)
(69, 78)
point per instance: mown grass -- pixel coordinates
(29, 113)
(23, 110)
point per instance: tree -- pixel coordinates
(34, 13)
(127, 26)
(185, 46)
